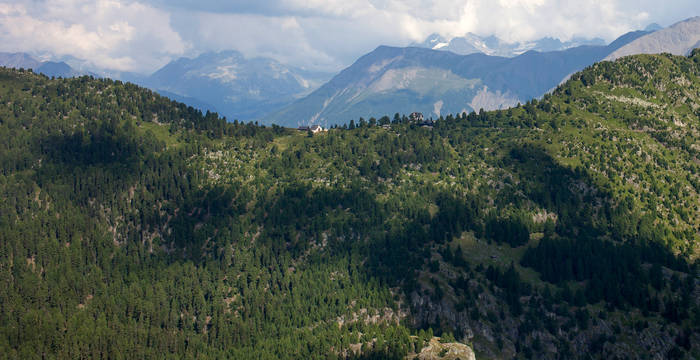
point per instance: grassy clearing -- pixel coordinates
(478, 251)
(161, 132)
(284, 142)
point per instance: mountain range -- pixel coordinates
(391, 79)
(435, 77)
(492, 45)
(224, 82)
(438, 82)
(48, 68)
(236, 86)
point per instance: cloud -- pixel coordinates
(319, 34)
(111, 34)
(310, 41)
(514, 20)
(332, 33)
(282, 37)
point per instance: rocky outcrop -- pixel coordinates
(448, 351)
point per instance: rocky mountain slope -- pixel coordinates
(678, 39)
(404, 80)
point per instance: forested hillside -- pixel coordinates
(136, 227)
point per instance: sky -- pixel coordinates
(326, 35)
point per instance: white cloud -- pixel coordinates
(110, 34)
(332, 33)
(281, 38)
(322, 34)
(509, 19)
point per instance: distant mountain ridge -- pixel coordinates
(436, 77)
(48, 68)
(224, 82)
(492, 45)
(678, 39)
(19, 60)
(238, 87)
(391, 79)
